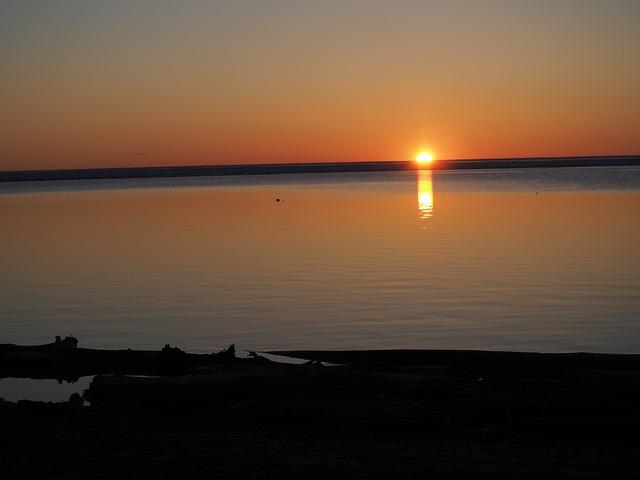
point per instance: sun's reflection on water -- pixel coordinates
(425, 194)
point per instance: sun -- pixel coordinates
(424, 157)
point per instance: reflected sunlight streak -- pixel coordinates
(425, 194)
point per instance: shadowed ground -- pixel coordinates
(441, 414)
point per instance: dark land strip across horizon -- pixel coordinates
(291, 168)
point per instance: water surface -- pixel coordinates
(527, 259)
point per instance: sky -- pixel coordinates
(156, 82)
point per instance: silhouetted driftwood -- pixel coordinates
(62, 359)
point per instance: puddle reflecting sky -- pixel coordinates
(46, 390)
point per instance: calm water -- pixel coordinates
(539, 259)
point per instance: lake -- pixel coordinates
(541, 259)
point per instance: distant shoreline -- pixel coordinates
(293, 168)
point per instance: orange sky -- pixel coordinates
(92, 84)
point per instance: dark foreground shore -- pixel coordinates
(288, 168)
(377, 414)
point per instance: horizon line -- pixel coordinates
(313, 167)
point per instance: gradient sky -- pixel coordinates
(119, 83)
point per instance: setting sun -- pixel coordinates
(424, 157)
